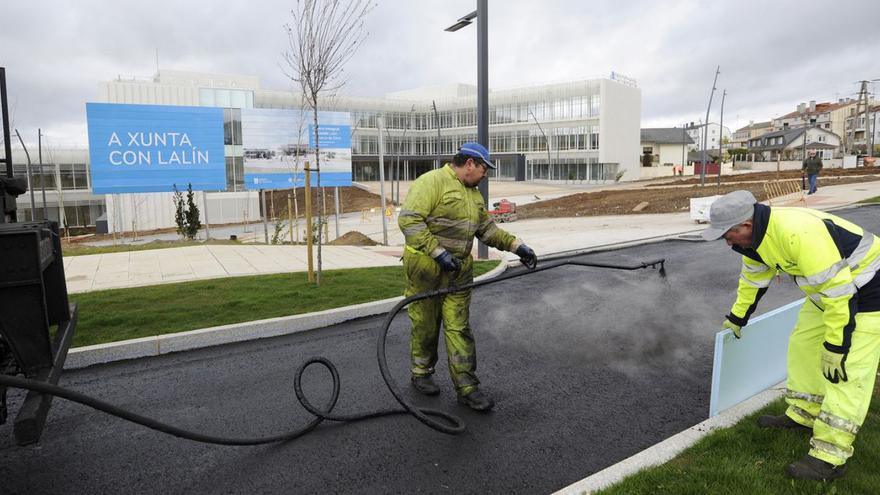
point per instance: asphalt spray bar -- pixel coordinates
(447, 422)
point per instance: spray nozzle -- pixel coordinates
(662, 268)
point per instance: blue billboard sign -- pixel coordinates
(331, 136)
(152, 148)
(277, 143)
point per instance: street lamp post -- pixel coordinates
(482, 16)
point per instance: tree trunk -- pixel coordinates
(318, 176)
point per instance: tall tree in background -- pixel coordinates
(323, 36)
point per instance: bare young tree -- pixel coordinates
(323, 36)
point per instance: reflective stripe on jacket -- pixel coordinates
(441, 213)
(830, 259)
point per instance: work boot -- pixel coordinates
(782, 422)
(810, 468)
(425, 384)
(477, 401)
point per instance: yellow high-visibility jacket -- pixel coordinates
(441, 213)
(832, 260)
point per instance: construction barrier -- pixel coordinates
(785, 191)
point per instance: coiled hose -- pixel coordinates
(448, 423)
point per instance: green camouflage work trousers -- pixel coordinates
(452, 310)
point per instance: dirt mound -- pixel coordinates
(353, 238)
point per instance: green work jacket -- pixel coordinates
(441, 213)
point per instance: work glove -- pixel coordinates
(833, 365)
(526, 256)
(448, 262)
(736, 329)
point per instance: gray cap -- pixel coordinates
(727, 212)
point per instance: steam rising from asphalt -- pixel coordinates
(635, 323)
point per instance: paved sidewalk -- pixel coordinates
(545, 236)
(158, 266)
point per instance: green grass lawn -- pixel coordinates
(875, 199)
(71, 249)
(120, 314)
(749, 460)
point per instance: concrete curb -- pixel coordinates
(667, 449)
(81, 357)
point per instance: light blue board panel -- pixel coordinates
(745, 367)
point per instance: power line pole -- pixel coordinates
(706, 129)
(42, 176)
(721, 138)
(683, 146)
(863, 95)
(380, 122)
(437, 120)
(483, 101)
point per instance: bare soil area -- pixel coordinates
(673, 197)
(351, 199)
(828, 173)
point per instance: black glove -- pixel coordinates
(527, 257)
(448, 262)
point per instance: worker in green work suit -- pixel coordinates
(442, 213)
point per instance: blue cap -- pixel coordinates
(476, 150)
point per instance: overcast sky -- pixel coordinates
(773, 54)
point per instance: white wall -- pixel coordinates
(150, 211)
(147, 93)
(620, 126)
(671, 153)
(784, 165)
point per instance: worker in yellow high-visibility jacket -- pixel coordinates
(835, 346)
(442, 213)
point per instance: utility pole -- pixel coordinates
(546, 141)
(482, 17)
(30, 177)
(869, 135)
(437, 121)
(309, 233)
(483, 100)
(706, 129)
(721, 138)
(683, 146)
(42, 177)
(380, 122)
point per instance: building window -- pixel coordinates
(226, 98)
(232, 126)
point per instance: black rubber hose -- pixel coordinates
(451, 424)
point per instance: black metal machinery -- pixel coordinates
(33, 299)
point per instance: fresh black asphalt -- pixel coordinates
(588, 366)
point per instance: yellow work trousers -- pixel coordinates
(835, 411)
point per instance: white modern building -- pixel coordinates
(711, 132)
(590, 127)
(586, 130)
